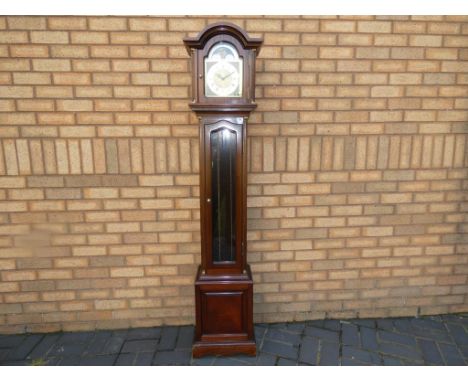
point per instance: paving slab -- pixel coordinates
(143, 334)
(9, 341)
(168, 338)
(25, 347)
(99, 360)
(329, 354)
(286, 362)
(170, 358)
(280, 349)
(266, 360)
(309, 350)
(350, 334)
(452, 355)
(185, 338)
(284, 336)
(322, 334)
(360, 355)
(431, 353)
(44, 347)
(136, 346)
(369, 338)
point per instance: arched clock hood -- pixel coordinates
(227, 28)
(199, 47)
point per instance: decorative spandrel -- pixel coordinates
(223, 184)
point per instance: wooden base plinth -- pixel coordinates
(201, 349)
(224, 315)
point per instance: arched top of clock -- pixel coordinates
(222, 28)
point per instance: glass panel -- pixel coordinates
(223, 71)
(223, 185)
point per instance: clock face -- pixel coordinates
(223, 72)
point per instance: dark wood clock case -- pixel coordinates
(224, 285)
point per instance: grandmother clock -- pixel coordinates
(223, 93)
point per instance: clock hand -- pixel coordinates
(230, 74)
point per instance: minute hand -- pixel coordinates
(230, 74)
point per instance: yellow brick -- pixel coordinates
(18, 275)
(299, 25)
(147, 24)
(129, 38)
(23, 22)
(329, 222)
(29, 51)
(89, 37)
(387, 91)
(149, 79)
(186, 24)
(373, 53)
(148, 52)
(281, 39)
(337, 26)
(318, 39)
(31, 78)
(261, 25)
(8, 37)
(51, 65)
(91, 65)
(99, 193)
(424, 40)
(72, 78)
(67, 23)
(109, 51)
(107, 23)
(68, 105)
(336, 52)
(109, 304)
(55, 118)
(355, 39)
(16, 92)
(441, 54)
(49, 37)
(54, 274)
(455, 41)
(378, 231)
(127, 272)
(407, 53)
(374, 26)
(390, 40)
(131, 65)
(409, 27)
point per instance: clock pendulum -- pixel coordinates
(223, 88)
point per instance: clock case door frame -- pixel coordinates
(208, 125)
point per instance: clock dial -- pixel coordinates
(223, 79)
(223, 72)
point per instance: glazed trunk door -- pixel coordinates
(223, 214)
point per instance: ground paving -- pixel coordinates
(429, 340)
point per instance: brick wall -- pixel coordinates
(357, 170)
